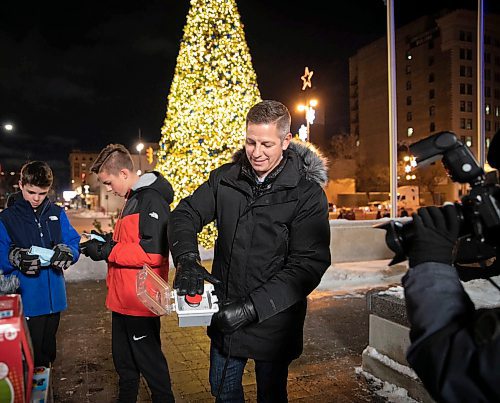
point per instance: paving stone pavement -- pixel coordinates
(335, 334)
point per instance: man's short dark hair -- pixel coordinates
(269, 111)
(37, 173)
(112, 159)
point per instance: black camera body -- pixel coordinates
(478, 212)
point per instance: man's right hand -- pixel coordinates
(190, 274)
(29, 265)
(436, 231)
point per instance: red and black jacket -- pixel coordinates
(141, 237)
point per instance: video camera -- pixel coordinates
(478, 212)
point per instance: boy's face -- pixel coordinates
(34, 195)
(118, 184)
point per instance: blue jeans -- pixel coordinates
(271, 378)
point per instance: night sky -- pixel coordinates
(82, 74)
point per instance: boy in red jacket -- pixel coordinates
(140, 237)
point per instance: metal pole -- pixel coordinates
(140, 141)
(393, 122)
(481, 139)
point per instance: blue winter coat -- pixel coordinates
(20, 226)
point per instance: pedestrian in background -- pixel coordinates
(140, 237)
(273, 246)
(33, 220)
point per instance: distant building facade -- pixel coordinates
(88, 187)
(436, 70)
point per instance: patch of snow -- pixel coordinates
(389, 391)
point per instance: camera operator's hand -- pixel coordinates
(190, 274)
(436, 232)
(233, 315)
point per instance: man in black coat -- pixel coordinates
(455, 349)
(273, 247)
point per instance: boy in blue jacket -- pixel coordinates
(33, 220)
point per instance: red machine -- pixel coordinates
(16, 352)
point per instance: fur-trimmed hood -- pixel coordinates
(314, 164)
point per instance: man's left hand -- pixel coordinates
(234, 315)
(62, 257)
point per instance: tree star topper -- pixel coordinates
(306, 78)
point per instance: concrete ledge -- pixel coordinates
(389, 338)
(388, 307)
(357, 240)
(381, 370)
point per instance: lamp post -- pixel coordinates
(310, 114)
(139, 147)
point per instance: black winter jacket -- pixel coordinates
(272, 247)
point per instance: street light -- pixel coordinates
(8, 127)
(139, 147)
(310, 114)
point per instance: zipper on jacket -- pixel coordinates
(40, 228)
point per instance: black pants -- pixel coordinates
(136, 349)
(43, 331)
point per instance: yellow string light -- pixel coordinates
(213, 87)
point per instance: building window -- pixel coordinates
(465, 36)
(487, 125)
(432, 127)
(468, 141)
(432, 110)
(431, 77)
(409, 131)
(409, 116)
(468, 124)
(431, 94)
(408, 100)
(462, 123)
(465, 71)
(469, 106)
(497, 77)
(408, 55)
(487, 74)
(497, 111)
(465, 54)
(497, 94)
(430, 61)
(487, 57)
(462, 88)
(462, 106)
(487, 91)
(408, 85)
(408, 69)
(487, 109)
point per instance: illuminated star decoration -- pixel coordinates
(306, 78)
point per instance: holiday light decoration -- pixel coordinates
(213, 87)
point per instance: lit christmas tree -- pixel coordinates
(213, 87)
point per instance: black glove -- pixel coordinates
(97, 250)
(190, 274)
(108, 237)
(26, 263)
(62, 258)
(233, 315)
(436, 232)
